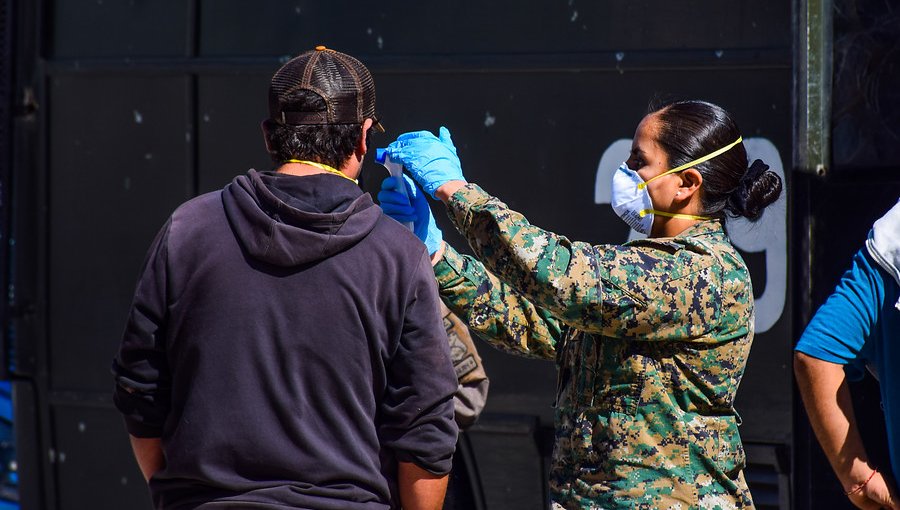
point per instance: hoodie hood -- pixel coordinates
(287, 220)
(884, 243)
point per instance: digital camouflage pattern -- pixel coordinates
(650, 338)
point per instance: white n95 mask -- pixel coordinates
(630, 200)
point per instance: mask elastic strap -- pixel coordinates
(696, 162)
(672, 215)
(320, 166)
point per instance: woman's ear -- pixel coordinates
(690, 183)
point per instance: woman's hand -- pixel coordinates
(431, 160)
(411, 208)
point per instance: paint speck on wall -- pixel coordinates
(574, 16)
(380, 42)
(138, 117)
(489, 120)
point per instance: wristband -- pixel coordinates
(860, 486)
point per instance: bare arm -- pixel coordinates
(419, 489)
(826, 396)
(149, 455)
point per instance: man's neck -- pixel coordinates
(302, 169)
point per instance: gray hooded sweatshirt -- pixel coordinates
(285, 343)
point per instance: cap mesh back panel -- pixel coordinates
(343, 82)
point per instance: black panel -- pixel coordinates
(275, 27)
(34, 479)
(119, 28)
(510, 464)
(92, 452)
(119, 166)
(768, 475)
(6, 139)
(230, 141)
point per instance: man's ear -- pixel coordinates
(361, 147)
(264, 125)
(690, 183)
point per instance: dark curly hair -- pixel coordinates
(329, 144)
(689, 130)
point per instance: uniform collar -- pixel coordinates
(703, 228)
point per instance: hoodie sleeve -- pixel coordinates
(140, 368)
(417, 411)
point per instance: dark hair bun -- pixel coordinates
(758, 188)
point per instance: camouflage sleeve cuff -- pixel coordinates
(462, 201)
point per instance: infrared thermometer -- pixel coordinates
(396, 170)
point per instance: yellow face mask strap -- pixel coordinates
(320, 166)
(693, 163)
(645, 212)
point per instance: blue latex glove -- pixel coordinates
(411, 209)
(431, 160)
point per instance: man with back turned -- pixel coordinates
(285, 347)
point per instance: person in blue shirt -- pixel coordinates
(857, 329)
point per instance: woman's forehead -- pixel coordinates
(645, 135)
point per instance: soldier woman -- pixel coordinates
(650, 337)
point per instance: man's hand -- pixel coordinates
(877, 493)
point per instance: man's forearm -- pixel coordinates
(419, 489)
(149, 455)
(826, 396)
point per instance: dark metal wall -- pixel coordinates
(145, 104)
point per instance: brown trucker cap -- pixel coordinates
(340, 80)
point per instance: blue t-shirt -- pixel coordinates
(859, 326)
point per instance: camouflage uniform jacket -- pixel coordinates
(650, 338)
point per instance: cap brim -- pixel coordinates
(377, 126)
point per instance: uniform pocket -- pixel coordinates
(627, 449)
(715, 440)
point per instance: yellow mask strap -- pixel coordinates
(320, 166)
(693, 163)
(645, 212)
